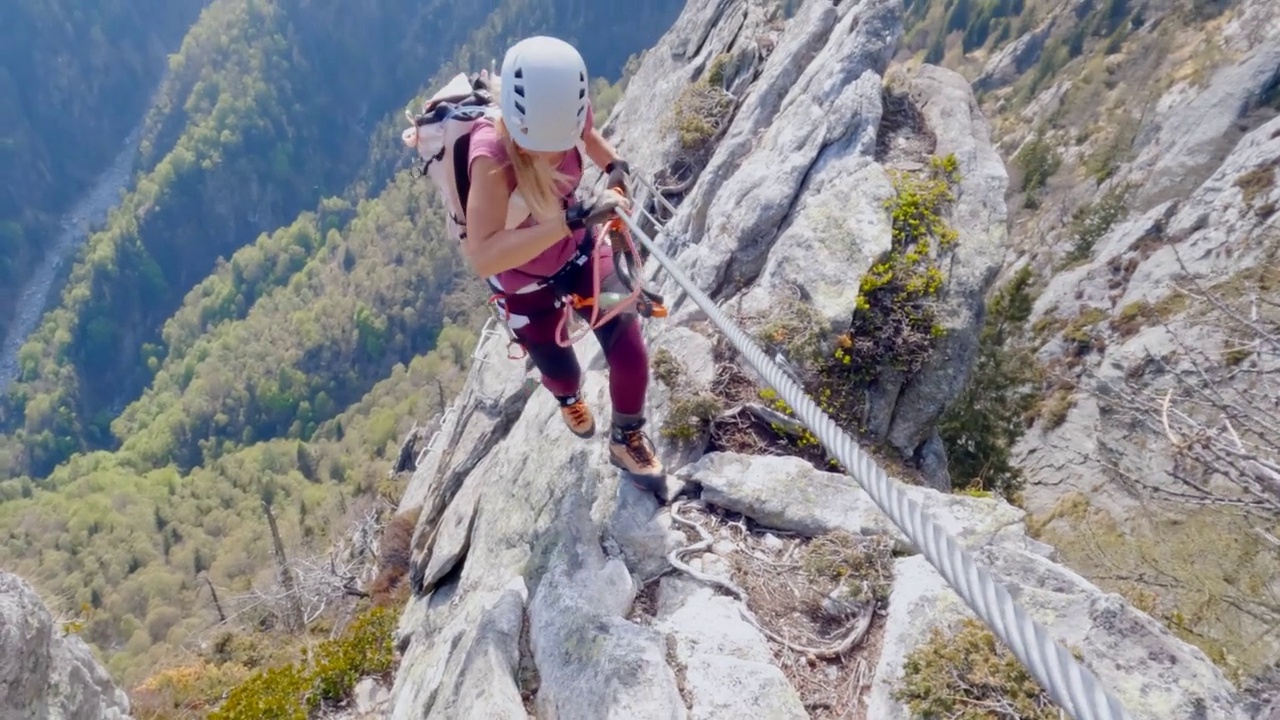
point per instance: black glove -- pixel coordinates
(579, 215)
(618, 171)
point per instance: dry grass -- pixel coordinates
(527, 673)
(395, 550)
(645, 606)
(815, 593)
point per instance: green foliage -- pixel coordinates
(295, 690)
(605, 95)
(72, 70)
(131, 542)
(1093, 220)
(894, 323)
(968, 674)
(981, 427)
(702, 109)
(1038, 160)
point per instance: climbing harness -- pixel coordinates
(647, 303)
(605, 306)
(1068, 683)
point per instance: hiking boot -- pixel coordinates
(632, 452)
(577, 415)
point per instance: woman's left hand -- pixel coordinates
(614, 199)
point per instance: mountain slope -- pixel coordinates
(75, 77)
(260, 117)
(1140, 139)
(289, 373)
(849, 215)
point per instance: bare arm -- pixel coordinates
(489, 246)
(599, 149)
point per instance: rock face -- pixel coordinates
(1148, 367)
(45, 675)
(791, 203)
(544, 584)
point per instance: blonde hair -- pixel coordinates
(535, 179)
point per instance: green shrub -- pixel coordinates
(981, 427)
(968, 674)
(894, 323)
(1038, 160)
(702, 108)
(1091, 221)
(294, 690)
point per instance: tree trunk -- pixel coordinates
(293, 605)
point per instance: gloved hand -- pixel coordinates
(618, 171)
(579, 215)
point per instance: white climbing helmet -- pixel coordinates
(544, 94)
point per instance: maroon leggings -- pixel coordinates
(620, 339)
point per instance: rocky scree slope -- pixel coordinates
(46, 673)
(1153, 464)
(543, 585)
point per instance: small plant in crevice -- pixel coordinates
(967, 673)
(701, 110)
(691, 412)
(1257, 183)
(690, 418)
(1093, 220)
(894, 325)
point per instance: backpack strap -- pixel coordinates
(517, 210)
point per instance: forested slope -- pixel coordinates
(265, 315)
(75, 77)
(269, 107)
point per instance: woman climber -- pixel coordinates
(537, 146)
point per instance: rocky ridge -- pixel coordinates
(543, 585)
(46, 673)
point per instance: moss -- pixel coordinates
(968, 674)
(667, 368)
(691, 417)
(294, 690)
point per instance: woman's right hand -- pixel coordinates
(605, 206)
